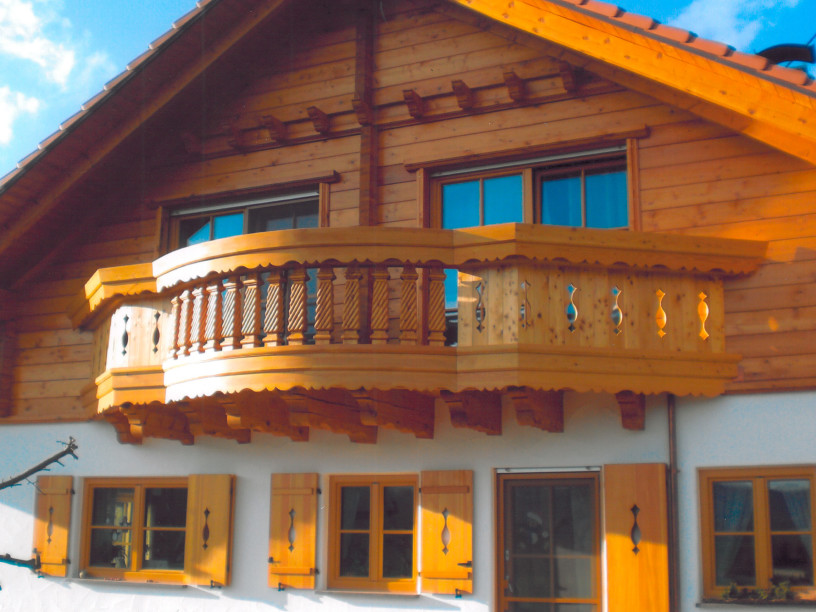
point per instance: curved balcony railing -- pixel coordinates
(365, 308)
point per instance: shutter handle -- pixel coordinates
(272, 560)
(468, 564)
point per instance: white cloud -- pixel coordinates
(735, 22)
(22, 35)
(12, 104)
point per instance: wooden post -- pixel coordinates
(324, 314)
(212, 329)
(184, 323)
(351, 306)
(379, 306)
(298, 319)
(364, 105)
(408, 305)
(175, 347)
(273, 317)
(251, 320)
(436, 307)
(231, 314)
(198, 320)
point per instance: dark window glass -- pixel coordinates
(398, 508)
(789, 502)
(165, 507)
(733, 506)
(194, 231)
(735, 560)
(112, 507)
(355, 508)
(354, 554)
(561, 201)
(110, 548)
(398, 555)
(163, 549)
(606, 199)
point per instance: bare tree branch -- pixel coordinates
(69, 449)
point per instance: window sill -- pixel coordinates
(137, 583)
(336, 592)
(716, 604)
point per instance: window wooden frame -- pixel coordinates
(500, 507)
(431, 181)
(135, 572)
(375, 582)
(762, 531)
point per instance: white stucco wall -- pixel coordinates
(734, 431)
(729, 431)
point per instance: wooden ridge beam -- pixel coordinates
(479, 410)
(633, 410)
(464, 94)
(333, 410)
(404, 411)
(263, 411)
(541, 409)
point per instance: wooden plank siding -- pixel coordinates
(695, 177)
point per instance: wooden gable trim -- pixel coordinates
(786, 122)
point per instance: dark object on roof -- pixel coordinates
(788, 53)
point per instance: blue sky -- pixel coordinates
(55, 54)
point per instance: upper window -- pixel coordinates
(290, 210)
(586, 189)
(757, 528)
(373, 533)
(158, 529)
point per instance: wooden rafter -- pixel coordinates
(264, 411)
(515, 86)
(206, 416)
(276, 128)
(405, 411)
(633, 410)
(464, 94)
(414, 102)
(363, 111)
(541, 409)
(235, 135)
(333, 410)
(479, 410)
(320, 120)
(157, 421)
(569, 76)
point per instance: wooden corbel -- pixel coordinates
(464, 95)
(158, 421)
(275, 127)
(192, 143)
(362, 110)
(235, 136)
(263, 411)
(541, 409)
(632, 409)
(207, 416)
(405, 411)
(125, 432)
(416, 107)
(320, 120)
(479, 410)
(569, 76)
(329, 409)
(515, 86)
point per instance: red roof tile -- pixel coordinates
(638, 21)
(797, 77)
(749, 60)
(672, 33)
(603, 8)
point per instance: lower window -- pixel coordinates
(373, 533)
(757, 529)
(172, 530)
(548, 539)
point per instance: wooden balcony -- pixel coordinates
(345, 329)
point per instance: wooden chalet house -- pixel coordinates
(416, 304)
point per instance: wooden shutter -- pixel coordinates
(293, 531)
(447, 532)
(208, 544)
(52, 520)
(636, 581)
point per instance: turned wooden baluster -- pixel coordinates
(324, 315)
(298, 316)
(436, 307)
(212, 329)
(185, 317)
(408, 305)
(379, 306)
(198, 320)
(251, 320)
(273, 317)
(231, 315)
(174, 327)
(351, 306)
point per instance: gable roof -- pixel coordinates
(773, 104)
